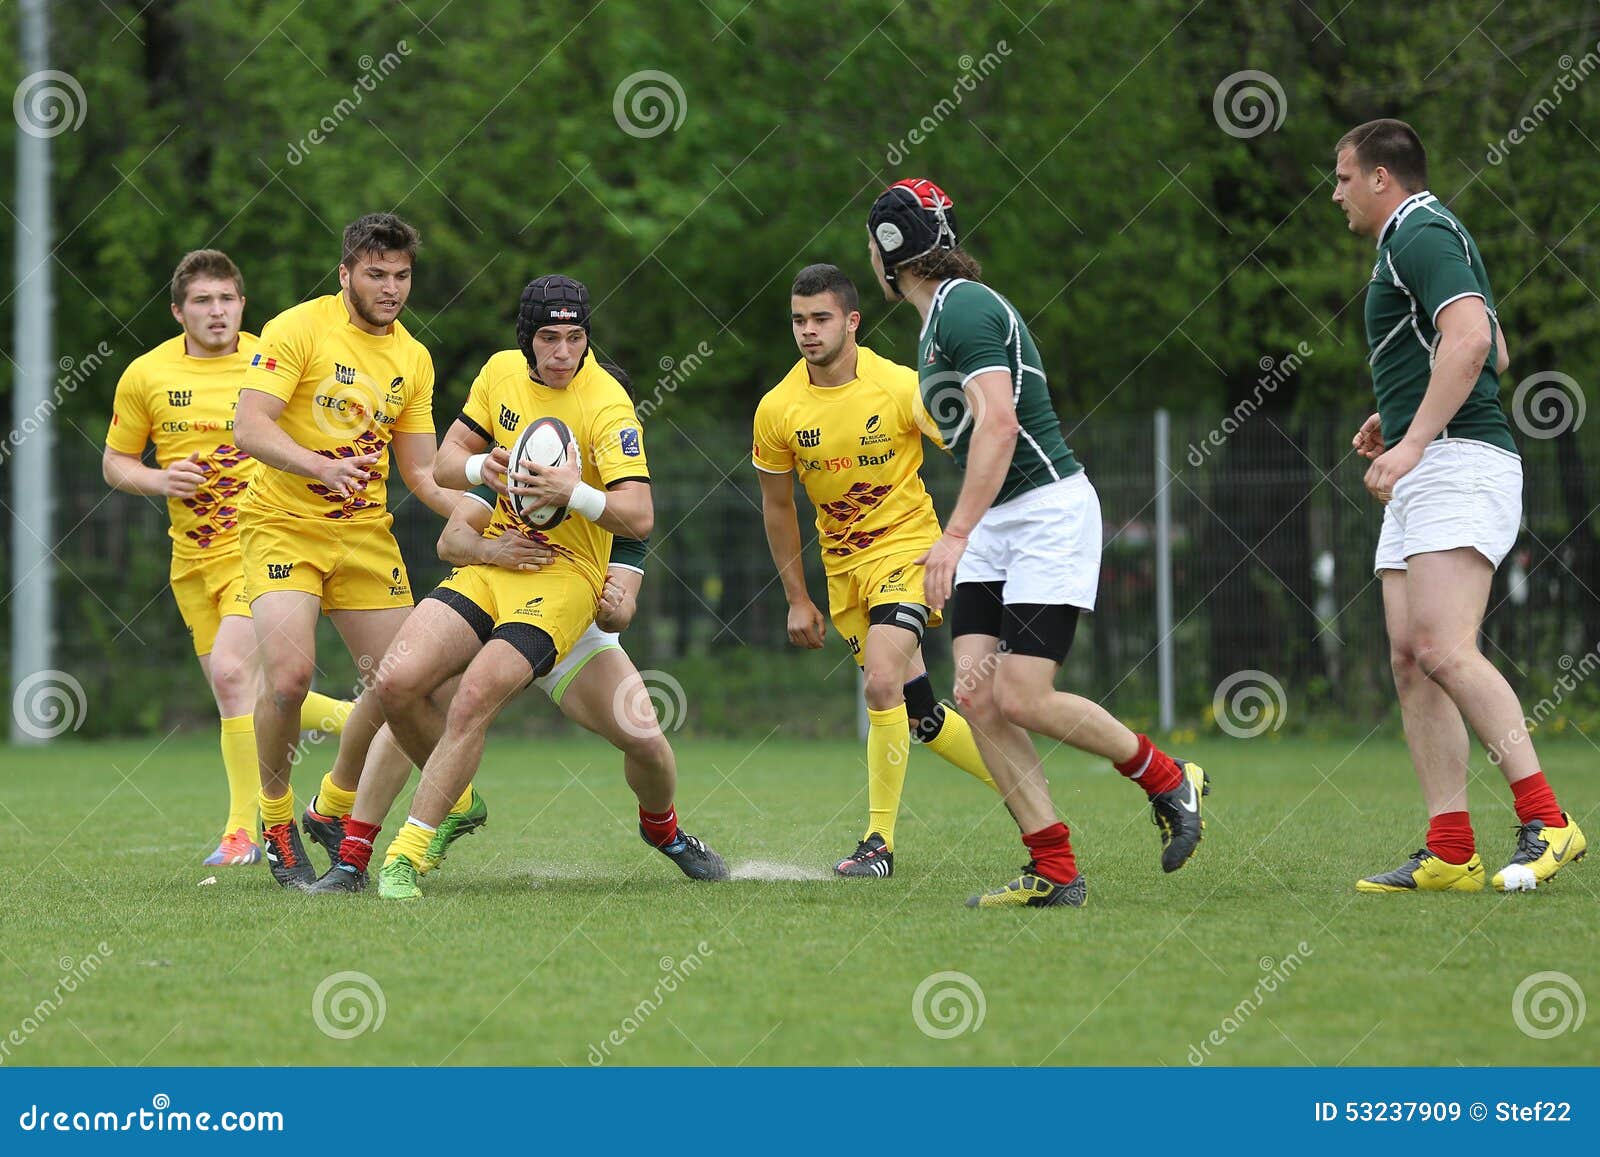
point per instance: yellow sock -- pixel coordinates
(333, 800)
(411, 842)
(888, 748)
(462, 804)
(244, 777)
(276, 811)
(324, 713)
(955, 744)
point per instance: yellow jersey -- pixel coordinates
(348, 392)
(504, 399)
(185, 406)
(858, 450)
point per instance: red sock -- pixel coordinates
(1535, 801)
(1052, 853)
(356, 847)
(662, 829)
(1450, 837)
(1152, 769)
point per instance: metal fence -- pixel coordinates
(1272, 594)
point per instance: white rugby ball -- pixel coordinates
(545, 442)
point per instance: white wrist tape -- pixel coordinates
(587, 501)
(474, 469)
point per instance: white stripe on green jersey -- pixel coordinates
(970, 330)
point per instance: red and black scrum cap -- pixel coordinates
(909, 219)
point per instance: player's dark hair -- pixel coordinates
(943, 265)
(378, 233)
(621, 375)
(198, 263)
(816, 279)
(1392, 144)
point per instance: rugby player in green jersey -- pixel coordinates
(1021, 549)
(1447, 471)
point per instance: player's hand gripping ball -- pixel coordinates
(544, 443)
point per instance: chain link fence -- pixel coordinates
(1272, 537)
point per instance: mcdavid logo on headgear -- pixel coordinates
(553, 299)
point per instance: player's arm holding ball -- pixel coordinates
(466, 458)
(468, 455)
(626, 506)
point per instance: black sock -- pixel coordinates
(924, 713)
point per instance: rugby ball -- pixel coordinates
(545, 442)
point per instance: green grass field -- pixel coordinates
(555, 927)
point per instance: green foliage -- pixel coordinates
(1157, 258)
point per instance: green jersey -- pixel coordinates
(1426, 260)
(971, 329)
(625, 552)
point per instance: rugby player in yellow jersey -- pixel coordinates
(847, 421)
(181, 396)
(596, 685)
(501, 628)
(336, 385)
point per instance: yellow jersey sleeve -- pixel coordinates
(771, 451)
(478, 410)
(130, 413)
(417, 417)
(616, 444)
(280, 358)
(907, 391)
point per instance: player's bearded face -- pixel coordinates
(211, 313)
(557, 352)
(821, 327)
(377, 285)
